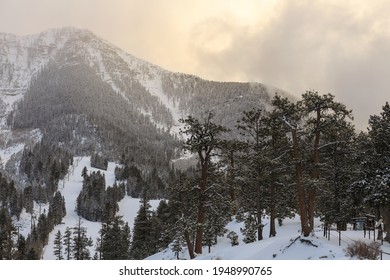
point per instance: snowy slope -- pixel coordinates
(70, 189)
(286, 245)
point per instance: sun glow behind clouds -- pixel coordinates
(342, 47)
(250, 12)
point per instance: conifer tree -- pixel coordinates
(67, 243)
(142, 242)
(203, 138)
(375, 167)
(81, 243)
(58, 246)
(115, 240)
(250, 228)
(21, 253)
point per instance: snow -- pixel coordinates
(151, 80)
(70, 189)
(6, 154)
(286, 245)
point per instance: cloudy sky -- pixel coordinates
(338, 47)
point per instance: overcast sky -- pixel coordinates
(338, 47)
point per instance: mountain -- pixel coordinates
(161, 96)
(66, 93)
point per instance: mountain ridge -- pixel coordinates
(155, 96)
(116, 67)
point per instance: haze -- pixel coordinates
(338, 47)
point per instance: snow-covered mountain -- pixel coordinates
(163, 95)
(70, 77)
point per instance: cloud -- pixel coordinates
(308, 45)
(341, 47)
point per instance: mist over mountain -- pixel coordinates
(90, 133)
(68, 96)
(83, 92)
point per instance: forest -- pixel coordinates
(300, 157)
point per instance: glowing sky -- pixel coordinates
(341, 47)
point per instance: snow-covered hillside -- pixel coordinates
(286, 245)
(23, 57)
(70, 189)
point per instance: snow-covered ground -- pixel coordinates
(286, 245)
(70, 189)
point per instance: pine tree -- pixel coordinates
(203, 138)
(250, 228)
(67, 243)
(81, 243)
(339, 170)
(115, 240)
(177, 247)
(308, 121)
(252, 163)
(7, 234)
(58, 246)
(142, 243)
(233, 236)
(183, 204)
(319, 112)
(375, 166)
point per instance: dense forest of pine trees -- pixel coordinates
(298, 157)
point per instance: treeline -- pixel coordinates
(40, 169)
(137, 182)
(301, 157)
(193, 96)
(44, 165)
(14, 245)
(71, 105)
(96, 202)
(116, 241)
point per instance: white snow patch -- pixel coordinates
(70, 189)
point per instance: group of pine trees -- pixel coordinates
(96, 201)
(302, 157)
(298, 157)
(116, 241)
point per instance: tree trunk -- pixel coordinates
(201, 206)
(299, 185)
(259, 215)
(190, 245)
(232, 185)
(315, 173)
(386, 222)
(272, 230)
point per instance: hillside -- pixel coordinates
(89, 133)
(286, 245)
(81, 91)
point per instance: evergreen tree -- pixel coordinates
(115, 240)
(183, 205)
(375, 166)
(143, 243)
(67, 243)
(339, 172)
(233, 236)
(203, 138)
(80, 243)
(58, 246)
(57, 209)
(319, 112)
(21, 253)
(7, 233)
(250, 228)
(308, 121)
